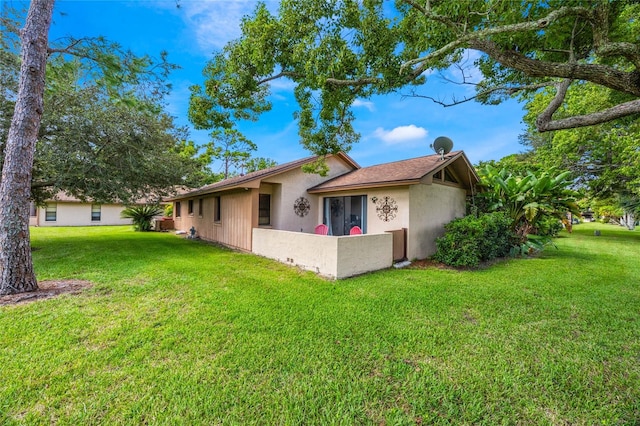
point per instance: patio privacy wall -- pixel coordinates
(332, 257)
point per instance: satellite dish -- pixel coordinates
(442, 145)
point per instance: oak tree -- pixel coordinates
(336, 52)
(96, 123)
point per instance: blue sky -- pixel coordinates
(391, 128)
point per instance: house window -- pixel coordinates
(200, 208)
(190, 208)
(96, 211)
(177, 209)
(33, 211)
(216, 209)
(264, 209)
(343, 213)
(51, 213)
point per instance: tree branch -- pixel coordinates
(69, 49)
(556, 102)
(607, 76)
(545, 124)
(427, 11)
(507, 90)
(626, 82)
(357, 82)
(477, 35)
(277, 76)
(329, 81)
(41, 184)
(630, 51)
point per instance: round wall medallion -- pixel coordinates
(386, 208)
(301, 207)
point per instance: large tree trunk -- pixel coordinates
(629, 220)
(16, 266)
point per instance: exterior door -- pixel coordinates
(343, 213)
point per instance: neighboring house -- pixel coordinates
(400, 207)
(65, 210)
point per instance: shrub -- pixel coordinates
(168, 210)
(141, 216)
(471, 240)
(549, 226)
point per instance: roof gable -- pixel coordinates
(253, 179)
(404, 172)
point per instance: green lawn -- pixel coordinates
(181, 332)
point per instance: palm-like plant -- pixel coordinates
(141, 216)
(527, 199)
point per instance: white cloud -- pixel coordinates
(401, 134)
(215, 22)
(282, 85)
(366, 104)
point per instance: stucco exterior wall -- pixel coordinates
(431, 207)
(287, 187)
(332, 257)
(375, 223)
(239, 209)
(79, 214)
(422, 209)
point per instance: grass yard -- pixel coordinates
(181, 332)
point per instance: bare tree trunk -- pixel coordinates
(629, 220)
(16, 266)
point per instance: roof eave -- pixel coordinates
(383, 184)
(255, 183)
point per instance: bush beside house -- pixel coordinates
(471, 240)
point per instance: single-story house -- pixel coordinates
(396, 210)
(66, 210)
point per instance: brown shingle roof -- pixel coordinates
(64, 197)
(253, 179)
(403, 172)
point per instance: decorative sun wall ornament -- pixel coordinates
(386, 208)
(301, 207)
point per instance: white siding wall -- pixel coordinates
(79, 214)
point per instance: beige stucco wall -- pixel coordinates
(431, 207)
(333, 257)
(422, 209)
(239, 213)
(79, 214)
(287, 187)
(375, 224)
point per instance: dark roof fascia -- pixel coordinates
(470, 167)
(253, 180)
(368, 185)
(380, 184)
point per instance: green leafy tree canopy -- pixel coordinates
(105, 134)
(336, 52)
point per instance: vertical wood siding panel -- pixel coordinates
(236, 220)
